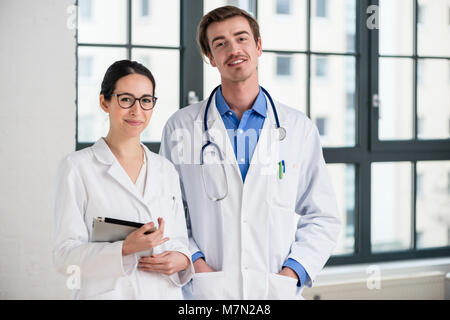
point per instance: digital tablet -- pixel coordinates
(110, 230)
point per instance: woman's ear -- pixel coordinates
(104, 103)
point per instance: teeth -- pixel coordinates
(237, 61)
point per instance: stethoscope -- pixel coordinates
(209, 143)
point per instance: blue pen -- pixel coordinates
(284, 167)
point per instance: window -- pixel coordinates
(321, 67)
(115, 32)
(85, 11)
(420, 14)
(85, 66)
(247, 5)
(283, 6)
(448, 182)
(321, 8)
(419, 185)
(321, 124)
(381, 107)
(145, 8)
(284, 65)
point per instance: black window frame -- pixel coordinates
(368, 148)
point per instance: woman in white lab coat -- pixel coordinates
(118, 177)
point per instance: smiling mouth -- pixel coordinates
(134, 123)
(236, 62)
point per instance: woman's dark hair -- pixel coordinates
(120, 69)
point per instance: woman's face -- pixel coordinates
(128, 122)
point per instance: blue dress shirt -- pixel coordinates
(244, 135)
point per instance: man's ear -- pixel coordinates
(104, 104)
(212, 62)
(259, 46)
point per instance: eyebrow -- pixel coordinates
(130, 94)
(235, 34)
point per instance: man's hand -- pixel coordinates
(168, 262)
(200, 266)
(288, 272)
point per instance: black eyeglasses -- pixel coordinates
(126, 101)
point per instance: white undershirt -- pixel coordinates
(140, 182)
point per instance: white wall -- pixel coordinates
(37, 128)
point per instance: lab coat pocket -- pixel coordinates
(281, 287)
(283, 189)
(208, 285)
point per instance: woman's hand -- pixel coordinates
(139, 241)
(168, 262)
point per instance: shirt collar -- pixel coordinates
(259, 106)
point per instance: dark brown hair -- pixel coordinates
(121, 69)
(218, 15)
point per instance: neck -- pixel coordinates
(124, 147)
(240, 96)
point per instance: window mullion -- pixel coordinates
(129, 28)
(191, 64)
(308, 58)
(415, 62)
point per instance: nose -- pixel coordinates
(235, 48)
(135, 107)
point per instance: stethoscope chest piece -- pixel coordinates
(282, 133)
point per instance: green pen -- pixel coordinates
(280, 169)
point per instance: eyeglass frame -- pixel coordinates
(154, 99)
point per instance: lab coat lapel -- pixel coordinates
(154, 177)
(267, 151)
(115, 170)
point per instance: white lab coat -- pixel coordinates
(91, 183)
(250, 234)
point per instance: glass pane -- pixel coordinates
(282, 17)
(433, 99)
(333, 25)
(247, 5)
(93, 122)
(396, 27)
(333, 99)
(343, 177)
(391, 191)
(102, 21)
(150, 17)
(433, 28)
(395, 85)
(284, 76)
(211, 78)
(433, 203)
(163, 64)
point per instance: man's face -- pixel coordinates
(233, 49)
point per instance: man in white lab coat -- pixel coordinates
(268, 173)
